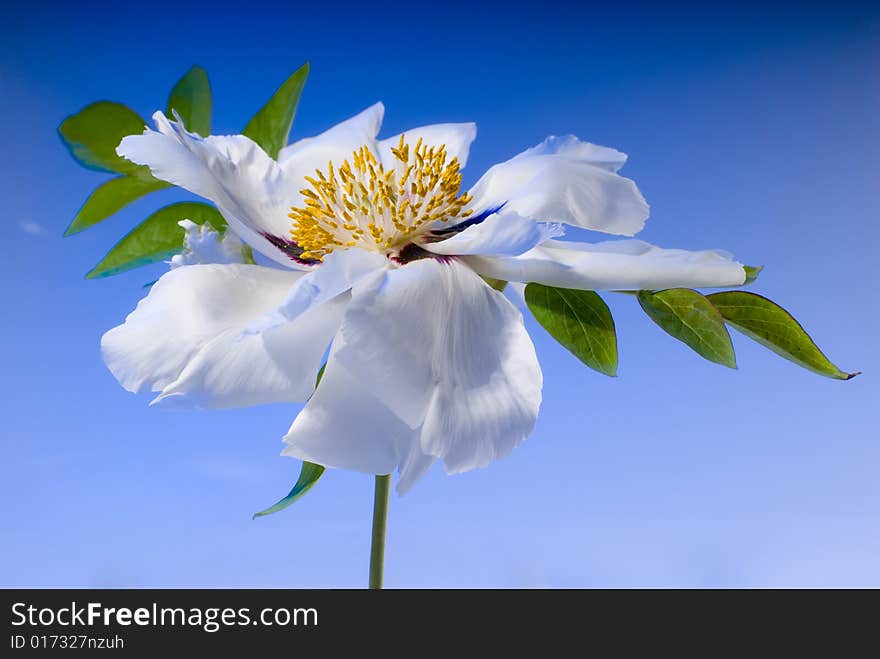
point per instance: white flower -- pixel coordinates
(380, 255)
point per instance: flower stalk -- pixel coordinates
(380, 524)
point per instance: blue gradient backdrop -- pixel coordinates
(751, 128)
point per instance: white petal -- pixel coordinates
(516, 293)
(500, 233)
(339, 271)
(613, 265)
(446, 352)
(344, 426)
(414, 465)
(303, 157)
(571, 147)
(185, 339)
(456, 137)
(246, 185)
(203, 244)
(564, 180)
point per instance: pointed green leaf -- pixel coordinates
(92, 135)
(308, 476)
(580, 321)
(752, 272)
(270, 127)
(774, 328)
(191, 99)
(689, 317)
(156, 238)
(110, 197)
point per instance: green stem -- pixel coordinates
(380, 523)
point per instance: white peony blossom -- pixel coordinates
(379, 255)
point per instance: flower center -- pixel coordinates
(362, 204)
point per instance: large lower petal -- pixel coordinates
(346, 427)
(457, 139)
(187, 341)
(565, 180)
(247, 186)
(447, 354)
(613, 265)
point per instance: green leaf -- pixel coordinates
(93, 134)
(320, 374)
(580, 321)
(752, 272)
(497, 284)
(308, 476)
(110, 197)
(156, 238)
(774, 328)
(689, 317)
(191, 98)
(247, 254)
(270, 127)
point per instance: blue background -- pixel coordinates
(749, 127)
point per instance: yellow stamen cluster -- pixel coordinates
(363, 204)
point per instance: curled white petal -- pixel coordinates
(613, 265)
(565, 180)
(249, 188)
